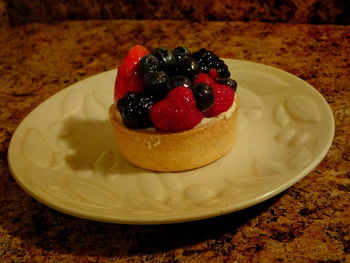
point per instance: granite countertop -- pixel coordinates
(309, 222)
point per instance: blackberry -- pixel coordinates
(204, 96)
(134, 108)
(204, 54)
(157, 83)
(227, 81)
(208, 60)
(222, 68)
(205, 59)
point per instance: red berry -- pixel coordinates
(214, 73)
(177, 112)
(182, 95)
(128, 79)
(203, 78)
(223, 99)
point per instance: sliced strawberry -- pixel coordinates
(177, 112)
(223, 99)
(127, 78)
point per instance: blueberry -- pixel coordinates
(157, 83)
(134, 108)
(166, 58)
(179, 80)
(227, 81)
(204, 96)
(148, 63)
(188, 67)
(180, 52)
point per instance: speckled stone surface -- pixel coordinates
(290, 11)
(4, 21)
(309, 222)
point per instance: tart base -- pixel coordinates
(175, 151)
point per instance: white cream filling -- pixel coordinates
(227, 114)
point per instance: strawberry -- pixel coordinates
(177, 112)
(203, 78)
(128, 79)
(223, 99)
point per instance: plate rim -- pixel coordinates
(182, 218)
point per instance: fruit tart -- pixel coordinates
(174, 110)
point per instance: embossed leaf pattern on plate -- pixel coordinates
(250, 105)
(300, 139)
(103, 98)
(59, 129)
(250, 100)
(285, 135)
(302, 109)
(265, 167)
(300, 158)
(280, 116)
(171, 181)
(151, 186)
(94, 111)
(71, 103)
(274, 148)
(36, 149)
(90, 191)
(103, 163)
(199, 192)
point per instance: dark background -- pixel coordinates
(19, 12)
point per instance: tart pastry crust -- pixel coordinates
(175, 151)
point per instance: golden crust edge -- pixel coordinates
(175, 151)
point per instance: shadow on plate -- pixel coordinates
(86, 142)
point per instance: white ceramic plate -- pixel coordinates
(64, 154)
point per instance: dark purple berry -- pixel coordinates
(180, 52)
(205, 58)
(188, 67)
(157, 83)
(147, 64)
(165, 57)
(134, 108)
(208, 60)
(221, 68)
(227, 81)
(179, 80)
(204, 96)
